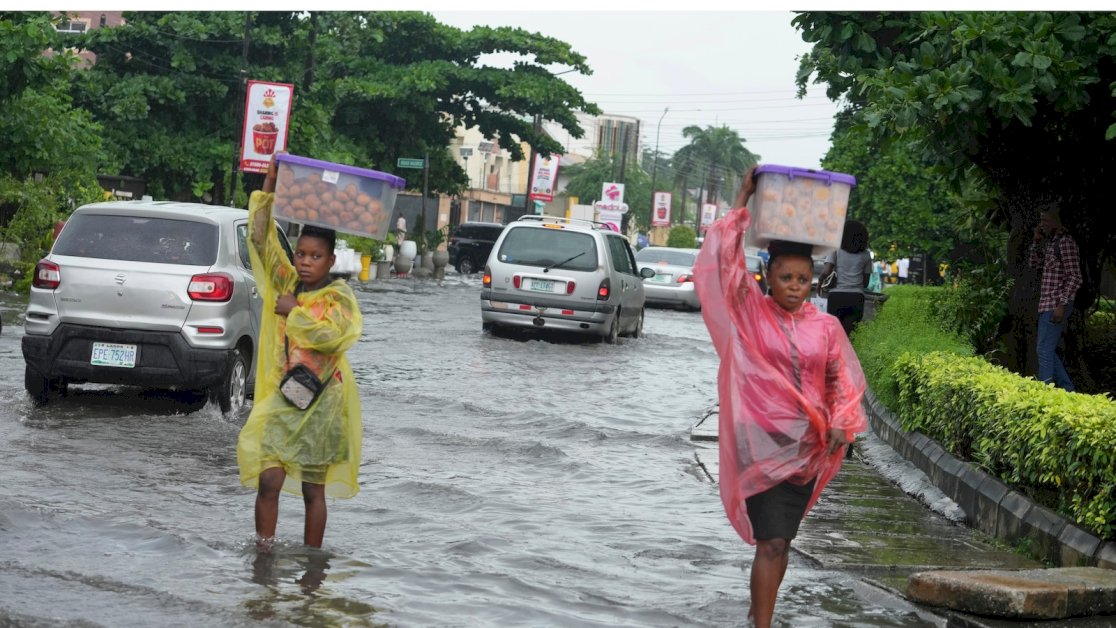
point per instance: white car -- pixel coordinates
(563, 274)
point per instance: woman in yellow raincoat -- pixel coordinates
(309, 320)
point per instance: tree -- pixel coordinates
(716, 152)
(1021, 99)
(586, 180)
(369, 87)
(47, 156)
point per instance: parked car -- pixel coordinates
(470, 245)
(673, 282)
(563, 274)
(146, 293)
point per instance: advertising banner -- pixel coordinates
(611, 219)
(612, 193)
(708, 214)
(267, 116)
(660, 210)
(544, 178)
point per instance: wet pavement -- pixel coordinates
(505, 482)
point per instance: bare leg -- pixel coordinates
(267, 501)
(313, 495)
(768, 569)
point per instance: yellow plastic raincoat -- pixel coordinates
(320, 445)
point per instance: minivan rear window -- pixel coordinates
(651, 255)
(139, 239)
(535, 246)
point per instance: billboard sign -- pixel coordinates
(267, 116)
(544, 177)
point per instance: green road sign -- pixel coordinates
(404, 162)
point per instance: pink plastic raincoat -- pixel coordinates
(785, 379)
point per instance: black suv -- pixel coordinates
(470, 245)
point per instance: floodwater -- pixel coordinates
(505, 482)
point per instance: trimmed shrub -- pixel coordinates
(1059, 447)
(682, 236)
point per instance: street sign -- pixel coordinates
(404, 162)
(466, 151)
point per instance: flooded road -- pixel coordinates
(505, 482)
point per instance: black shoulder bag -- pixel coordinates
(300, 386)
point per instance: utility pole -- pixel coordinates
(243, 94)
(425, 182)
(624, 219)
(537, 126)
(655, 166)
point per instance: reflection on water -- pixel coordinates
(291, 580)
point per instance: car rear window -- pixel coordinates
(535, 246)
(674, 258)
(139, 239)
(754, 262)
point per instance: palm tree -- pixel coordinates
(716, 154)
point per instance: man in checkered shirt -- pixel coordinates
(1055, 254)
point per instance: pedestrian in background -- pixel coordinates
(853, 265)
(903, 265)
(790, 389)
(309, 320)
(1054, 252)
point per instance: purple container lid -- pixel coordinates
(823, 175)
(391, 179)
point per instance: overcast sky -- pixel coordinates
(709, 68)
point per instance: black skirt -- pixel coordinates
(777, 512)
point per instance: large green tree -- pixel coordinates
(587, 179)
(369, 87)
(718, 153)
(1022, 99)
(49, 147)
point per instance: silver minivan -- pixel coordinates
(146, 293)
(563, 274)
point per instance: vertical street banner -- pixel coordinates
(611, 219)
(660, 210)
(544, 177)
(267, 116)
(708, 214)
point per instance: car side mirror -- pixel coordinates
(646, 272)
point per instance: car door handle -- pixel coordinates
(254, 293)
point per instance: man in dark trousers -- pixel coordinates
(1055, 254)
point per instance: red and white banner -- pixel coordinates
(544, 178)
(660, 210)
(267, 116)
(611, 219)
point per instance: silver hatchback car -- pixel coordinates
(145, 293)
(563, 274)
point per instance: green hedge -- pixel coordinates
(904, 322)
(1031, 435)
(1058, 447)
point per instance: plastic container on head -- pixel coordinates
(799, 205)
(335, 196)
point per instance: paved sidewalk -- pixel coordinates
(866, 525)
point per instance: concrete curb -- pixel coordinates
(992, 506)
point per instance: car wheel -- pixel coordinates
(40, 388)
(487, 327)
(466, 266)
(613, 330)
(638, 331)
(232, 393)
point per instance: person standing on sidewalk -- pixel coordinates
(1054, 252)
(790, 390)
(853, 265)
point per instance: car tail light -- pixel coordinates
(759, 277)
(211, 287)
(487, 280)
(604, 290)
(48, 275)
(515, 281)
(570, 287)
(685, 278)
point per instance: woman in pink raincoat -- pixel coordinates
(790, 389)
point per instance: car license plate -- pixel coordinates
(113, 354)
(658, 278)
(542, 285)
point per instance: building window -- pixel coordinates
(72, 26)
